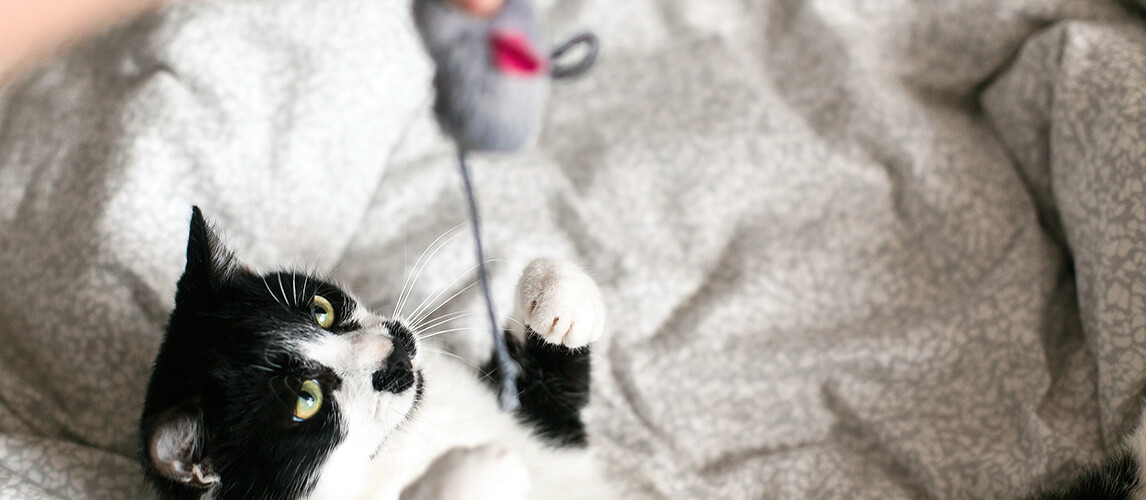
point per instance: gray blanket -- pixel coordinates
(850, 249)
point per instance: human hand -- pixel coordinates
(31, 30)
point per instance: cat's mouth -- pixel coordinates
(419, 393)
(402, 379)
(411, 411)
(404, 402)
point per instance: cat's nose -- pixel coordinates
(397, 374)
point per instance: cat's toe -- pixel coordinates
(560, 303)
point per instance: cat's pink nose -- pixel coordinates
(480, 8)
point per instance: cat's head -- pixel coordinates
(270, 386)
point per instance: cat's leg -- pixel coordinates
(487, 472)
(560, 312)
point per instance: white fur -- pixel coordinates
(560, 303)
(368, 415)
(486, 472)
(458, 443)
(460, 412)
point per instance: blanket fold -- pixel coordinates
(849, 249)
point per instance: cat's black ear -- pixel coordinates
(174, 448)
(210, 265)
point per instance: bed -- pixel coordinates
(849, 249)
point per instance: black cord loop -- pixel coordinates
(591, 43)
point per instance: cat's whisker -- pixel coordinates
(414, 282)
(443, 320)
(443, 303)
(294, 287)
(418, 314)
(405, 292)
(269, 290)
(281, 288)
(305, 280)
(312, 267)
(336, 269)
(267, 360)
(423, 325)
(451, 330)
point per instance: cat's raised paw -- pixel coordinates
(560, 303)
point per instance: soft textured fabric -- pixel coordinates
(850, 249)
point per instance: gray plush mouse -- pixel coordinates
(492, 76)
(492, 81)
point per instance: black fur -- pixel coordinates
(553, 387)
(398, 374)
(221, 365)
(403, 337)
(1115, 479)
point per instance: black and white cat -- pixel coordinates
(281, 386)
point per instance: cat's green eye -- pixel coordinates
(309, 401)
(323, 311)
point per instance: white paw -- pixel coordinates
(560, 303)
(486, 472)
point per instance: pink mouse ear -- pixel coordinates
(514, 55)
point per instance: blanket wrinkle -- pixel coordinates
(850, 249)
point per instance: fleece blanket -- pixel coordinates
(850, 249)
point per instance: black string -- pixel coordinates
(507, 367)
(591, 44)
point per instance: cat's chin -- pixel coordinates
(394, 410)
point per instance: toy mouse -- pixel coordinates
(492, 78)
(492, 82)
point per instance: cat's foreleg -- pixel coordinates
(559, 312)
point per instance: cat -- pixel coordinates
(282, 386)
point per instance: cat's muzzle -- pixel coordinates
(397, 374)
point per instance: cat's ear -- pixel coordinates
(210, 265)
(175, 445)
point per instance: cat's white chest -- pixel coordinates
(458, 411)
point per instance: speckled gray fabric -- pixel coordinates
(851, 249)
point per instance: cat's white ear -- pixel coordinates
(174, 448)
(210, 264)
